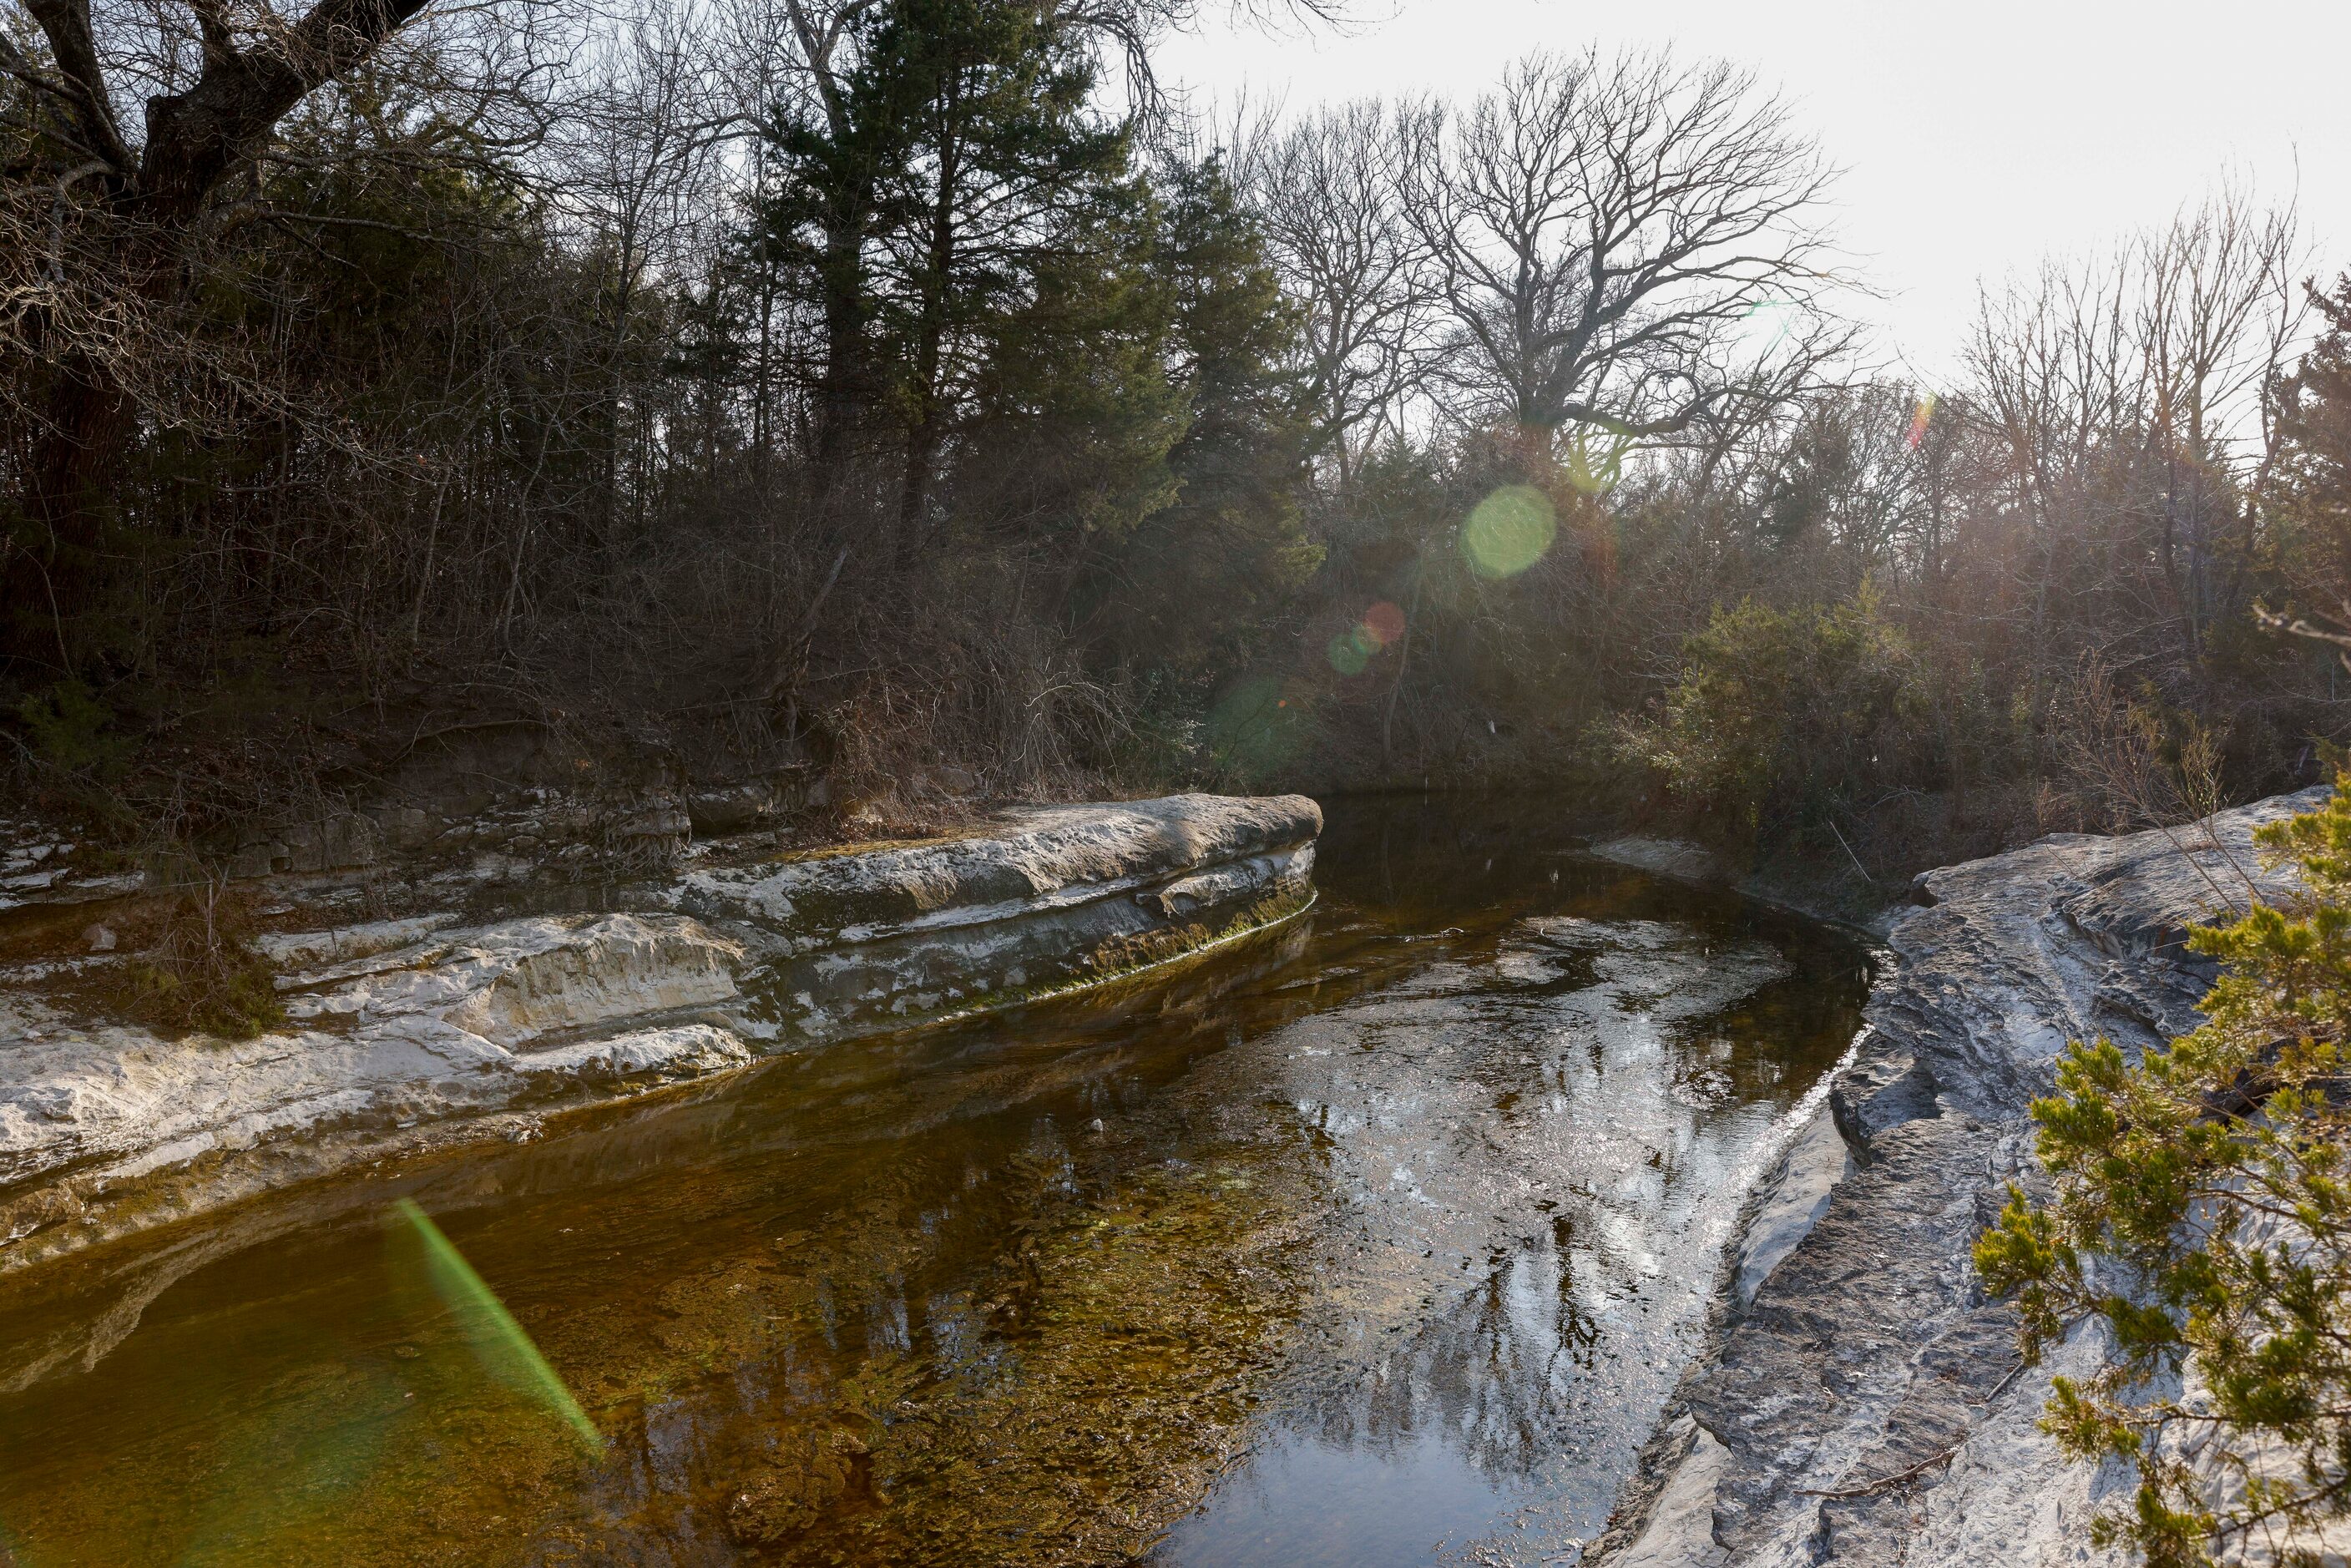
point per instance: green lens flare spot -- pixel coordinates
(1257, 726)
(1768, 323)
(1511, 530)
(1352, 650)
(497, 1341)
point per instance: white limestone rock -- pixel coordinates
(427, 1021)
(1867, 1407)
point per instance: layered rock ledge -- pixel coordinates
(440, 1025)
(1867, 1405)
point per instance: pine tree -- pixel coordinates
(1233, 543)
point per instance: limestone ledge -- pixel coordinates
(401, 1030)
(1864, 1403)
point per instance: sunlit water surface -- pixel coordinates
(1381, 1243)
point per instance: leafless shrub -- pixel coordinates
(2125, 763)
(200, 971)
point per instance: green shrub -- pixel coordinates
(1780, 717)
(70, 729)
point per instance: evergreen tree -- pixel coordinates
(922, 202)
(1009, 166)
(2200, 1207)
(2314, 431)
(1195, 580)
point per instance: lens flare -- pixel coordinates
(1351, 651)
(1256, 726)
(497, 1341)
(1511, 530)
(1918, 421)
(1593, 460)
(1768, 323)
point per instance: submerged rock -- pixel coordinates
(1868, 1407)
(407, 1030)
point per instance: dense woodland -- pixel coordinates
(909, 382)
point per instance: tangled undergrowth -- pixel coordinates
(200, 971)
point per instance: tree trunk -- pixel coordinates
(923, 439)
(842, 391)
(48, 585)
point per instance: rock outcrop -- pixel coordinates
(442, 1024)
(1867, 1406)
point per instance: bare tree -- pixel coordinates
(2047, 370)
(1330, 193)
(640, 174)
(2219, 312)
(137, 133)
(1625, 243)
(2126, 394)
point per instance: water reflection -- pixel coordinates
(1540, 1148)
(1390, 1232)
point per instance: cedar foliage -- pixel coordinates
(2200, 1208)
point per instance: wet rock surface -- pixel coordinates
(1869, 1407)
(416, 1028)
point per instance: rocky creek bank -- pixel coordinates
(446, 1009)
(1865, 1404)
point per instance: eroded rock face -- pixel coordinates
(1868, 1407)
(404, 1029)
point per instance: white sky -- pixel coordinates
(1977, 136)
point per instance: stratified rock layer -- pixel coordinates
(1869, 1407)
(433, 1022)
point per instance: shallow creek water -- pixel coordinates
(1380, 1241)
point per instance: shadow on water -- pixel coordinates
(1379, 1242)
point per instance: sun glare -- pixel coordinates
(1511, 530)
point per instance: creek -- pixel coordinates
(1381, 1239)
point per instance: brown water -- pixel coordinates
(1380, 1242)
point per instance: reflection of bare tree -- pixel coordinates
(1561, 1339)
(1510, 1370)
(1499, 1371)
